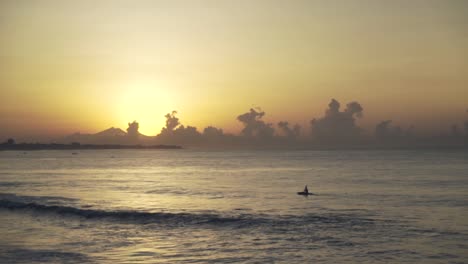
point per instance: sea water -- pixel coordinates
(189, 206)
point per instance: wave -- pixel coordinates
(50, 200)
(26, 255)
(11, 184)
(68, 207)
(127, 216)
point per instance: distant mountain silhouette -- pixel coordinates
(109, 136)
(111, 132)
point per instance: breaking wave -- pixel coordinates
(182, 219)
(125, 215)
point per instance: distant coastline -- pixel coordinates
(55, 146)
(77, 146)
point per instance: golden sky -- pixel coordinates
(68, 66)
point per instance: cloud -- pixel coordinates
(338, 126)
(189, 131)
(354, 108)
(176, 133)
(254, 126)
(289, 132)
(212, 132)
(132, 130)
(187, 135)
(172, 122)
(384, 131)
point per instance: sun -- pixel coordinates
(145, 102)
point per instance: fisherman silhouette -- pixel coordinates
(305, 192)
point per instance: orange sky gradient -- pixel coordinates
(69, 66)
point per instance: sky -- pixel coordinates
(84, 66)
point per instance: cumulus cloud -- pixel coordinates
(187, 134)
(176, 133)
(254, 126)
(132, 130)
(385, 131)
(211, 132)
(293, 132)
(354, 108)
(338, 126)
(171, 121)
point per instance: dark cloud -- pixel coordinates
(254, 126)
(132, 130)
(289, 132)
(186, 132)
(176, 133)
(171, 121)
(354, 108)
(385, 131)
(388, 135)
(211, 132)
(338, 126)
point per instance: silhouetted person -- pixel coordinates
(306, 191)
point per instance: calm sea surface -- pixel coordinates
(187, 206)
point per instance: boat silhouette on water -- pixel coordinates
(305, 192)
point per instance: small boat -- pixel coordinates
(305, 192)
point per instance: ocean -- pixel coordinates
(193, 206)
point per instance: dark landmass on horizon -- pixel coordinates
(77, 146)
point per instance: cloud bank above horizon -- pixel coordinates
(336, 128)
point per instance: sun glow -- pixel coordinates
(146, 102)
